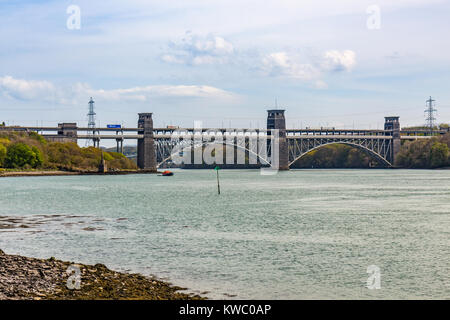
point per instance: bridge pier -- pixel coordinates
(119, 148)
(276, 120)
(96, 142)
(146, 155)
(393, 124)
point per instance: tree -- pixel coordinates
(2, 155)
(356, 159)
(334, 156)
(39, 157)
(439, 155)
(37, 137)
(31, 150)
(19, 155)
(425, 153)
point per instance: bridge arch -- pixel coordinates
(358, 146)
(205, 143)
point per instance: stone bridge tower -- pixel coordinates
(276, 120)
(146, 155)
(393, 124)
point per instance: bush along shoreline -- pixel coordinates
(21, 151)
(24, 278)
(433, 153)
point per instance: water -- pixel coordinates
(295, 235)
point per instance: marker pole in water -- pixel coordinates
(218, 184)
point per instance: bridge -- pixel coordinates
(158, 145)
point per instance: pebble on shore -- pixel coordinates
(46, 279)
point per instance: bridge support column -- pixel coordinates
(276, 120)
(393, 124)
(96, 142)
(146, 155)
(119, 148)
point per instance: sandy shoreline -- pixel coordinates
(24, 278)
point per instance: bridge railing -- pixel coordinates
(289, 132)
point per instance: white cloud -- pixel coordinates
(33, 90)
(282, 64)
(335, 60)
(171, 59)
(147, 92)
(196, 50)
(308, 69)
(27, 89)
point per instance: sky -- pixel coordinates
(343, 64)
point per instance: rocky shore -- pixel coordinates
(49, 279)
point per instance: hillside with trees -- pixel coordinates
(336, 156)
(25, 151)
(425, 153)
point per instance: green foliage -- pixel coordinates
(31, 150)
(38, 137)
(107, 156)
(439, 155)
(357, 159)
(335, 156)
(423, 154)
(3, 144)
(39, 158)
(70, 156)
(116, 155)
(20, 155)
(2, 155)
